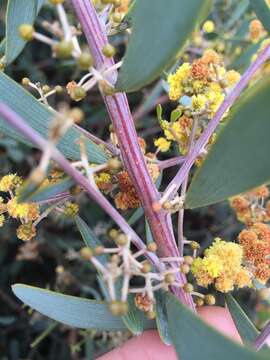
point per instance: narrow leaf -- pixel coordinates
(70, 310)
(50, 191)
(89, 237)
(161, 318)
(153, 46)
(194, 339)
(245, 327)
(38, 117)
(18, 12)
(135, 319)
(239, 159)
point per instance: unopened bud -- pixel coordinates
(26, 32)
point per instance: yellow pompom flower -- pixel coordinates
(26, 232)
(9, 182)
(162, 144)
(199, 102)
(71, 209)
(176, 81)
(232, 77)
(23, 211)
(221, 266)
(208, 26)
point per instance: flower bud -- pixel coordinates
(146, 267)
(118, 308)
(25, 81)
(114, 164)
(188, 288)
(209, 300)
(63, 49)
(121, 240)
(108, 50)
(77, 93)
(185, 268)
(152, 247)
(86, 253)
(26, 32)
(85, 61)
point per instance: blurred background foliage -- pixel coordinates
(52, 260)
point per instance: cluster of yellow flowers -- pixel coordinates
(26, 213)
(222, 266)
(199, 88)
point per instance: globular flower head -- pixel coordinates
(26, 231)
(22, 211)
(221, 266)
(10, 182)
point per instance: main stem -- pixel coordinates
(120, 115)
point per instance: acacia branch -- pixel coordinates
(120, 115)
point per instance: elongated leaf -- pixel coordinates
(262, 11)
(89, 237)
(194, 339)
(70, 310)
(161, 317)
(51, 190)
(2, 47)
(245, 327)
(135, 320)
(18, 12)
(239, 160)
(240, 9)
(160, 30)
(38, 117)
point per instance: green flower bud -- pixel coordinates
(26, 32)
(63, 49)
(85, 61)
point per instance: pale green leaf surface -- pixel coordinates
(18, 12)
(239, 159)
(135, 319)
(70, 310)
(38, 117)
(245, 327)
(160, 29)
(194, 339)
(51, 190)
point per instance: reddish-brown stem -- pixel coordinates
(120, 115)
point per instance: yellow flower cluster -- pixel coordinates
(22, 211)
(162, 144)
(222, 267)
(200, 88)
(10, 182)
(104, 181)
(26, 213)
(204, 83)
(71, 209)
(208, 26)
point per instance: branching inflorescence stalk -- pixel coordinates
(120, 115)
(227, 103)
